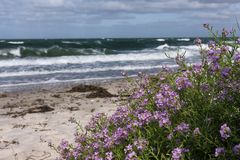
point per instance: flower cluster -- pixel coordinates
(177, 153)
(225, 131)
(166, 98)
(183, 83)
(182, 127)
(220, 151)
(237, 58)
(187, 114)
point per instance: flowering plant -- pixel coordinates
(191, 113)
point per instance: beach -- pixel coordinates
(31, 119)
(46, 84)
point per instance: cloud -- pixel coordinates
(41, 9)
(108, 13)
(217, 1)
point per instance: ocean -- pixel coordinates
(48, 61)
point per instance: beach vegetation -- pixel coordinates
(192, 112)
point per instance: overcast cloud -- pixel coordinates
(113, 18)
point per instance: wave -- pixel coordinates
(16, 42)
(144, 56)
(54, 51)
(98, 42)
(88, 70)
(16, 52)
(189, 47)
(160, 40)
(183, 39)
(79, 59)
(71, 42)
(163, 46)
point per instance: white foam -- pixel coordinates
(160, 40)
(125, 68)
(144, 55)
(98, 42)
(16, 42)
(16, 52)
(82, 59)
(71, 42)
(183, 39)
(163, 46)
(1, 41)
(190, 47)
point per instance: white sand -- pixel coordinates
(27, 136)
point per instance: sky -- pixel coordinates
(114, 18)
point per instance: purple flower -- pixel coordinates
(170, 136)
(182, 127)
(225, 48)
(96, 156)
(223, 95)
(140, 144)
(166, 98)
(219, 151)
(108, 142)
(63, 149)
(177, 153)
(77, 151)
(119, 134)
(215, 67)
(225, 71)
(109, 156)
(95, 122)
(211, 44)
(128, 148)
(204, 87)
(225, 131)
(197, 68)
(236, 149)
(138, 94)
(95, 146)
(144, 103)
(120, 116)
(214, 55)
(196, 132)
(131, 156)
(144, 116)
(237, 58)
(183, 83)
(162, 118)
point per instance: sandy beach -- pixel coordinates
(31, 119)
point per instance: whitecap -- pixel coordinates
(71, 42)
(86, 70)
(183, 39)
(163, 46)
(16, 52)
(160, 40)
(16, 42)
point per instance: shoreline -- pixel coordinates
(36, 87)
(30, 119)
